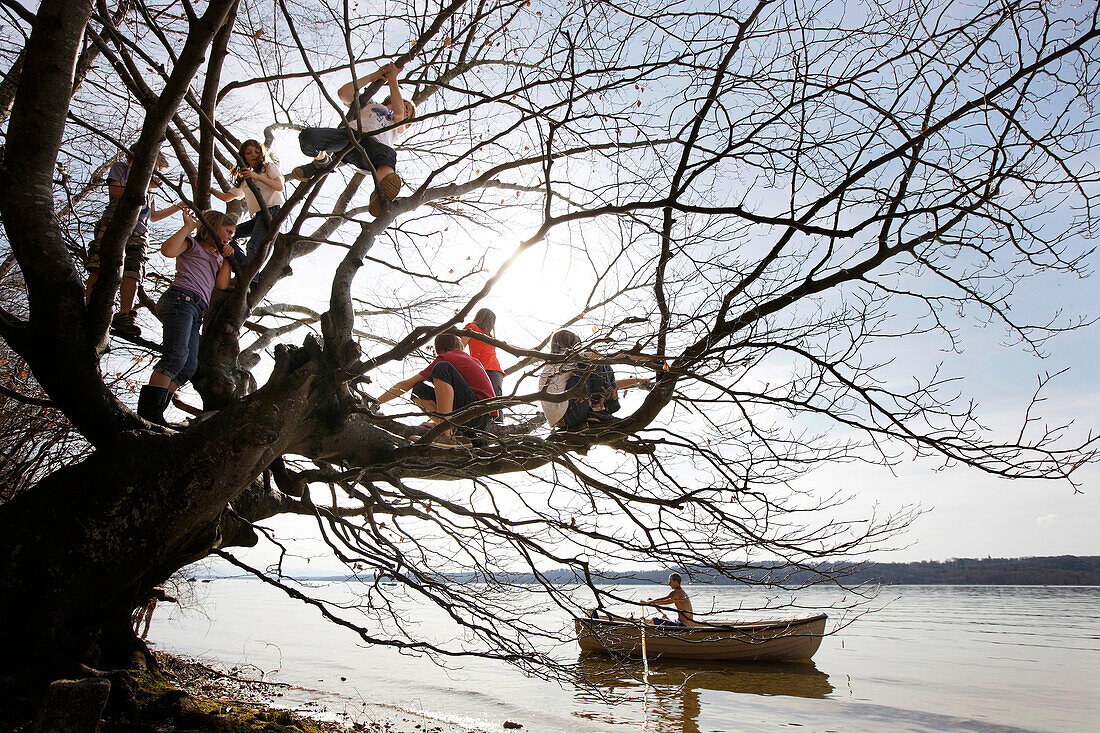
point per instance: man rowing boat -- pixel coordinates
(678, 598)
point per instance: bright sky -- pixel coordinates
(967, 513)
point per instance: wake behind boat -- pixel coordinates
(752, 641)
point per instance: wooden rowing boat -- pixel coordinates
(753, 641)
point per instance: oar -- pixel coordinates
(645, 676)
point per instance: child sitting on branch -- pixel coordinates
(372, 127)
(600, 396)
(485, 321)
(453, 381)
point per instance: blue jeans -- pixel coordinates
(181, 313)
(317, 140)
(601, 387)
(255, 229)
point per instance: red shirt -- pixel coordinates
(483, 352)
(470, 369)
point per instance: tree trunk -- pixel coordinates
(90, 541)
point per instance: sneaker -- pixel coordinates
(309, 170)
(390, 186)
(451, 441)
(597, 420)
(125, 324)
(600, 416)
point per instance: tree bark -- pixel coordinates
(218, 51)
(90, 541)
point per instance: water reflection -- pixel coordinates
(672, 700)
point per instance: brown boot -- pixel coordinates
(310, 169)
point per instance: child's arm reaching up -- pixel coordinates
(156, 214)
(397, 104)
(176, 244)
(347, 92)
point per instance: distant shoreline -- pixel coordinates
(1060, 570)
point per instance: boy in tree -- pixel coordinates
(135, 256)
(366, 123)
(451, 382)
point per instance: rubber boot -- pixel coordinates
(152, 402)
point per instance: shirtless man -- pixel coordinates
(679, 598)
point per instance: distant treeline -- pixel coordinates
(1061, 570)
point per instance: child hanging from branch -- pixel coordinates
(201, 266)
(374, 127)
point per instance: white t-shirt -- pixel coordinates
(374, 117)
(271, 196)
(553, 380)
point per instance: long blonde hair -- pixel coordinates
(486, 320)
(214, 220)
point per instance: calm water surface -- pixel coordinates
(935, 658)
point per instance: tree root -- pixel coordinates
(143, 699)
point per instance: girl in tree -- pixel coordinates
(601, 394)
(261, 169)
(485, 321)
(200, 267)
(367, 129)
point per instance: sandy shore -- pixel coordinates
(235, 691)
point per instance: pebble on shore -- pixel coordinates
(227, 693)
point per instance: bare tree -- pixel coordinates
(761, 202)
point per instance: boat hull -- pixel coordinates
(773, 641)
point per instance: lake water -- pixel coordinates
(934, 658)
